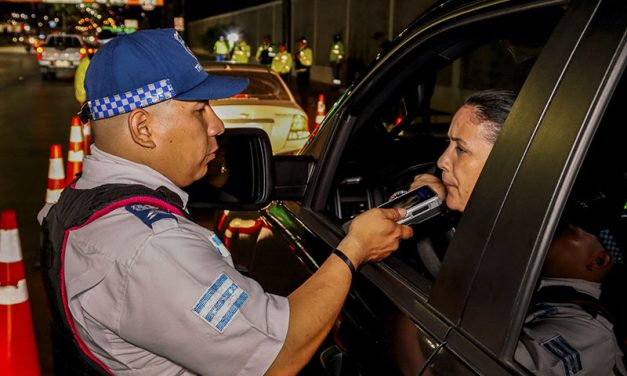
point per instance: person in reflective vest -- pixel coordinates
(303, 59)
(220, 49)
(241, 52)
(79, 77)
(266, 51)
(282, 63)
(336, 58)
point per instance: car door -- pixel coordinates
(390, 299)
(398, 318)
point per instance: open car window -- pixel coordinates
(402, 134)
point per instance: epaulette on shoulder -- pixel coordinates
(155, 218)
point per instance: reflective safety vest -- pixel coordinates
(241, 53)
(79, 80)
(304, 59)
(220, 48)
(282, 63)
(265, 54)
(336, 55)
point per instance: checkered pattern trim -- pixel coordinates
(611, 245)
(106, 107)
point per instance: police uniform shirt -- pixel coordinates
(564, 339)
(152, 293)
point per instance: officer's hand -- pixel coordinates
(433, 182)
(373, 235)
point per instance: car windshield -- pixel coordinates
(262, 85)
(69, 42)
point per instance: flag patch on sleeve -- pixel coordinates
(563, 351)
(219, 304)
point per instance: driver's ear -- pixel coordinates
(139, 127)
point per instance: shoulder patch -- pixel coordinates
(563, 351)
(149, 214)
(219, 304)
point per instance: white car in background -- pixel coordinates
(62, 52)
(266, 103)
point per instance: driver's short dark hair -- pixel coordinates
(492, 107)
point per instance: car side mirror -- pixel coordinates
(245, 176)
(241, 175)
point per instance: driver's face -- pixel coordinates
(463, 159)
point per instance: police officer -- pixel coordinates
(336, 57)
(220, 49)
(266, 51)
(145, 290)
(303, 60)
(568, 330)
(282, 63)
(241, 52)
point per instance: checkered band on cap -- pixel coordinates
(611, 245)
(153, 93)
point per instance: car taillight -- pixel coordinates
(298, 128)
(90, 51)
(83, 52)
(40, 52)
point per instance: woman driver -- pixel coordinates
(472, 134)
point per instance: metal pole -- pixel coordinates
(287, 22)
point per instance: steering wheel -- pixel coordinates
(403, 179)
(429, 256)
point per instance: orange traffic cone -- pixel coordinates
(321, 111)
(75, 152)
(87, 137)
(56, 175)
(18, 352)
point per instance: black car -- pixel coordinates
(451, 300)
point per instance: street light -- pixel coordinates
(232, 37)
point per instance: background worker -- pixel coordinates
(79, 77)
(220, 49)
(303, 60)
(241, 52)
(336, 58)
(282, 63)
(266, 51)
(150, 291)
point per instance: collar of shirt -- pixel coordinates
(101, 168)
(590, 288)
